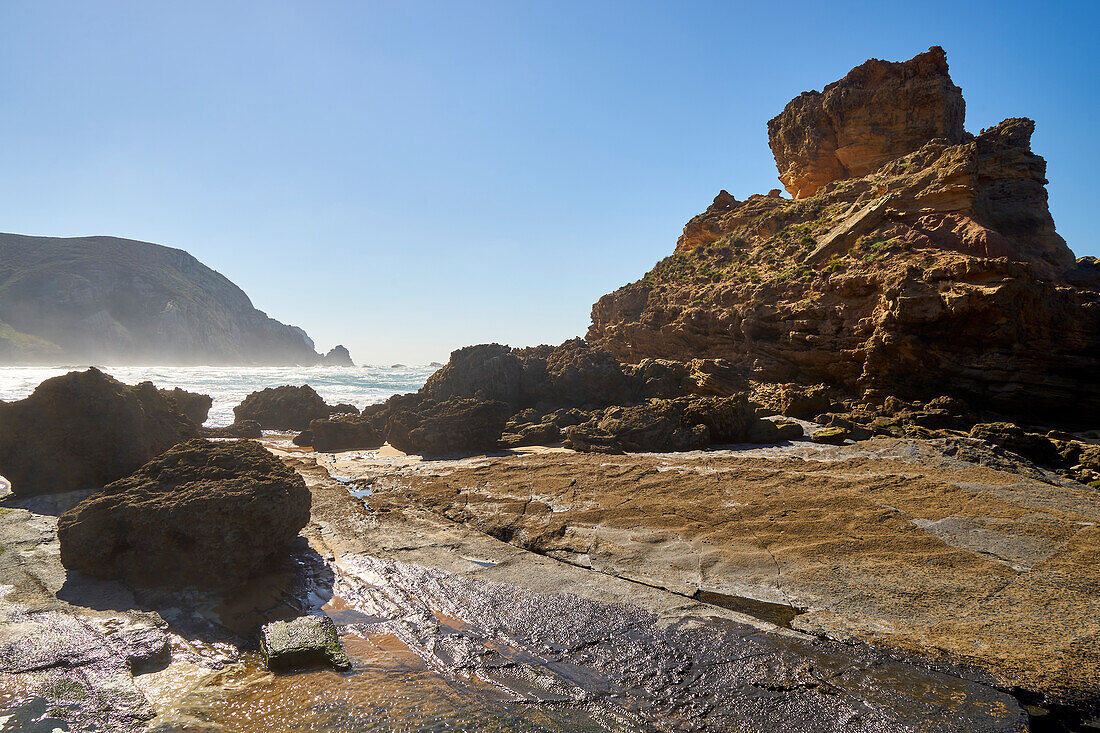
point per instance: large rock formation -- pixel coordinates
(879, 112)
(338, 356)
(105, 299)
(936, 271)
(204, 514)
(432, 428)
(283, 408)
(83, 430)
(195, 407)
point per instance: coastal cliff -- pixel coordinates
(914, 260)
(103, 299)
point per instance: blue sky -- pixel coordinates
(410, 177)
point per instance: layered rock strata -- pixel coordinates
(930, 268)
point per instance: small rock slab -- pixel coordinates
(306, 641)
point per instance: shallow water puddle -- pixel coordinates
(389, 688)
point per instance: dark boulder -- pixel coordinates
(204, 514)
(789, 430)
(575, 374)
(283, 408)
(543, 433)
(239, 429)
(195, 407)
(570, 375)
(804, 402)
(728, 419)
(83, 430)
(658, 425)
(484, 371)
(432, 428)
(345, 432)
(1033, 446)
(685, 423)
(306, 641)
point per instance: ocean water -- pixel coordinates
(360, 386)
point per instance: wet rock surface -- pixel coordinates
(306, 641)
(981, 562)
(521, 640)
(204, 514)
(83, 430)
(239, 429)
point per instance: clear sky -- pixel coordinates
(409, 177)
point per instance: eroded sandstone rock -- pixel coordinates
(880, 111)
(929, 268)
(204, 514)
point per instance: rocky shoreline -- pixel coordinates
(833, 465)
(456, 577)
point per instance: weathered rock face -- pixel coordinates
(283, 408)
(938, 272)
(879, 112)
(570, 375)
(204, 514)
(457, 425)
(685, 423)
(345, 432)
(83, 430)
(195, 407)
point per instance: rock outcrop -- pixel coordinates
(111, 300)
(283, 408)
(204, 514)
(437, 428)
(338, 356)
(195, 407)
(925, 262)
(83, 430)
(685, 423)
(346, 432)
(877, 113)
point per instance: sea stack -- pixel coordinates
(916, 260)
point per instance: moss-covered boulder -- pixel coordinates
(204, 514)
(306, 641)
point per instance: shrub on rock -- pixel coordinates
(83, 430)
(204, 514)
